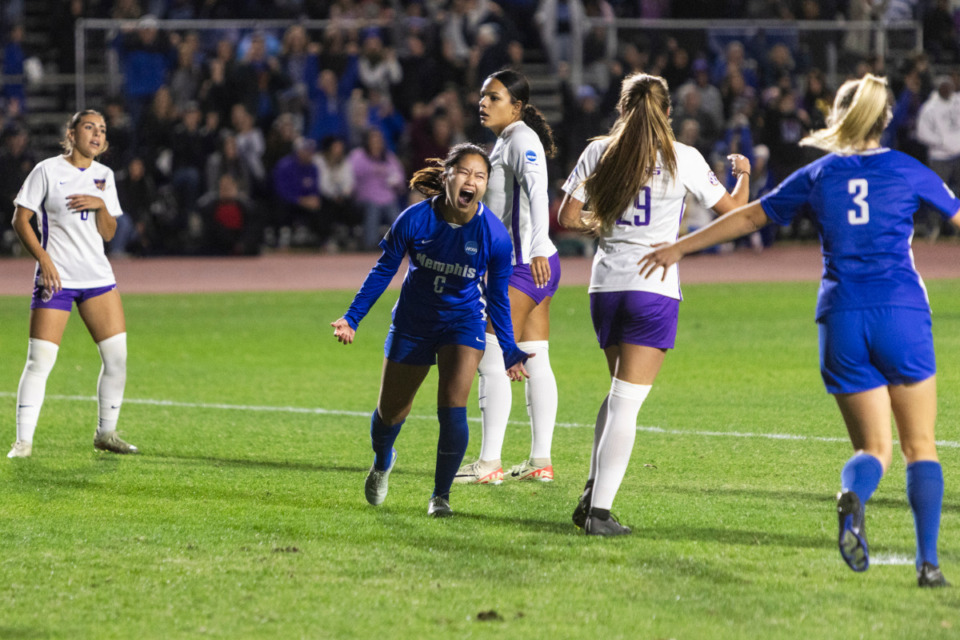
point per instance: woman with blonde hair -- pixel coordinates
(876, 342)
(633, 181)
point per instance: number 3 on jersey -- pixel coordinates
(858, 187)
(641, 203)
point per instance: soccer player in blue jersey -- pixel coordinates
(876, 342)
(453, 241)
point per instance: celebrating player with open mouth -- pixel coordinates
(453, 242)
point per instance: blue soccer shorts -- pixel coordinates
(864, 349)
(422, 350)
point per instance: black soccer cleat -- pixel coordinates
(583, 506)
(852, 539)
(930, 576)
(595, 526)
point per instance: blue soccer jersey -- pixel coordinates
(863, 208)
(444, 286)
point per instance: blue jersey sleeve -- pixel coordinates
(394, 246)
(783, 203)
(499, 271)
(932, 190)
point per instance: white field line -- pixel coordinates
(889, 558)
(366, 414)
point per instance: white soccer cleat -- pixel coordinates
(110, 441)
(480, 472)
(375, 488)
(533, 470)
(21, 449)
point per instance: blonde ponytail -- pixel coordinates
(860, 113)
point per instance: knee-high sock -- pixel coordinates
(616, 444)
(452, 444)
(541, 389)
(41, 356)
(597, 436)
(496, 396)
(861, 474)
(382, 437)
(925, 494)
(113, 379)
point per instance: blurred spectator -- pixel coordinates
(817, 99)
(121, 133)
(378, 66)
(227, 160)
(430, 137)
(779, 62)
(940, 36)
(938, 127)
(250, 147)
(16, 162)
(230, 225)
(136, 228)
(62, 23)
(690, 134)
(689, 107)
(710, 100)
(678, 69)
(190, 145)
(13, 59)
(299, 57)
(739, 98)
(296, 183)
(221, 87)
(329, 99)
(146, 57)
(186, 78)
(422, 77)
(901, 133)
(784, 124)
(154, 130)
(261, 81)
(735, 57)
(489, 54)
(582, 120)
(280, 140)
(337, 185)
(381, 115)
(381, 175)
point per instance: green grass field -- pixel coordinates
(244, 516)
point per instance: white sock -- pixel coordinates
(597, 436)
(616, 444)
(41, 356)
(496, 397)
(113, 379)
(541, 388)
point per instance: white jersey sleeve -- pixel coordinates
(70, 237)
(653, 217)
(517, 192)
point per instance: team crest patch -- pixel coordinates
(470, 248)
(531, 155)
(100, 184)
(712, 177)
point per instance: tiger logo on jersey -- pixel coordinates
(100, 184)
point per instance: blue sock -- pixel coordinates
(925, 494)
(452, 445)
(382, 437)
(861, 475)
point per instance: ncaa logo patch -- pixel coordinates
(530, 155)
(470, 248)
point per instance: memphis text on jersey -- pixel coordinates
(446, 268)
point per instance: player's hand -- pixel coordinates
(739, 164)
(662, 257)
(342, 331)
(540, 270)
(49, 276)
(80, 202)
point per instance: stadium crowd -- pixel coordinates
(233, 141)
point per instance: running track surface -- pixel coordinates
(311, 272)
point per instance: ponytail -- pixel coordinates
(640, 132)
(532, 117)
(860, 113)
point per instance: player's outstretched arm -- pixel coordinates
(342, 331)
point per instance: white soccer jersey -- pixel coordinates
(70, 237)
(653, 217)
(517, 192)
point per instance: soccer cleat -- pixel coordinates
(110, 441)
(583, 506)
(527, 470)
(439, 507)
(21, 449)
(594, 526)
(375, 488)
(853, 535)
(480, 472)
(930, 576)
